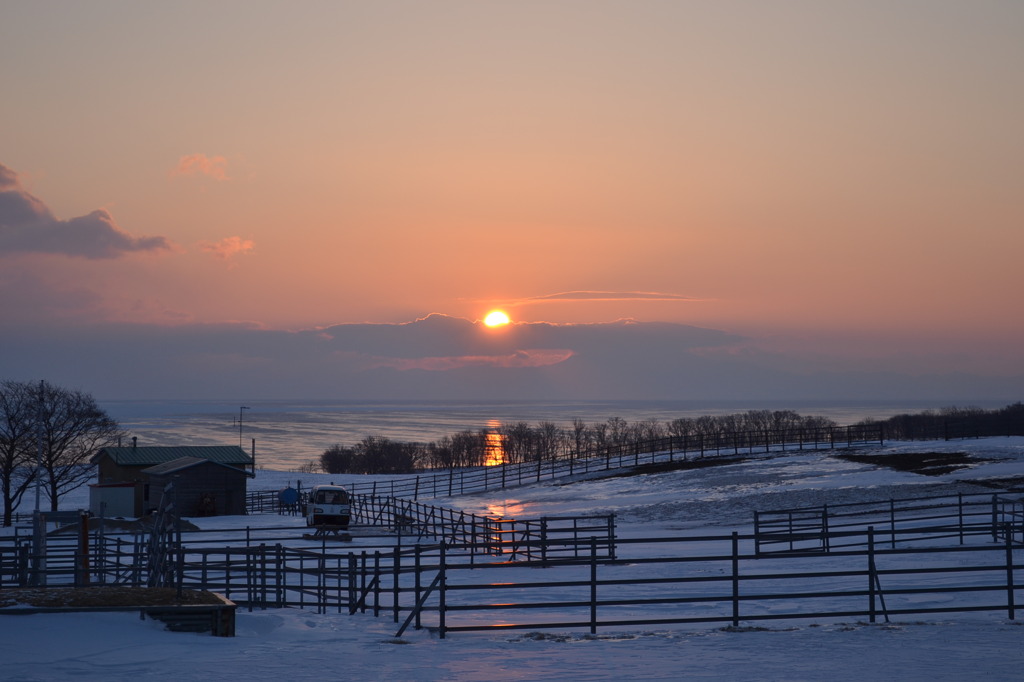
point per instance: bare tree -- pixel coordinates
(581, 436)
(17, 440)
(469, 448)
(618, 430)
(682, 427)
(518, 438)
(59, 428)
(649, 429)
(549, 440)
(74, 428)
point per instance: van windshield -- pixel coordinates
(331, 497)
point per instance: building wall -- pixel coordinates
(205, 490)
(109, 472)
(112, 501)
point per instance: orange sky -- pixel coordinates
(835, 179)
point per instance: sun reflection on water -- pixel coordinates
(494, 446)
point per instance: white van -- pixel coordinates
(328, 505)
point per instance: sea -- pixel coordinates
(286, 435)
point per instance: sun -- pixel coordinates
(496, 318)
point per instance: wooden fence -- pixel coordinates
(729, 586)
(652, 581)
(903, 520)
(651, 453)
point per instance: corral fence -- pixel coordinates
(652, 581)
(669, 451)
(906, 520)
(156, 557)
(723, 583)
(550, 537)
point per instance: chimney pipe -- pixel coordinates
(135, 441)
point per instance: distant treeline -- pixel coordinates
(517, 442)
(955, 422)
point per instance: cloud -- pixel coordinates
(447, 358)
(443, 336)
(201, 164)
(522, 358)
(598, 296)
(28, 226)
(610, 296)
(228, 247)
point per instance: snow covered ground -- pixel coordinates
(299, 644)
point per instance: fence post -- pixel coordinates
(378, 583)
(250, 577)
(825, 541)
(735, 579)
(442, 586)
(353, 599)
(593, 585)
(1009, 574)
(995, 534)
(960, 515)
(227, 572)
(544, 540)
(263, 576)
(757, 532)
(892, 523)
(83, 545)
(871, 574)
(417, 585)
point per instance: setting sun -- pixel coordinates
(496, 318)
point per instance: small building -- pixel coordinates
(202, 487)
(209, 480)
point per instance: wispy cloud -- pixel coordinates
(523, 358)
(28, 226)
(228, 248)
(201, 164)
(598, 296)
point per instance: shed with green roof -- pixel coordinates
(208, 479)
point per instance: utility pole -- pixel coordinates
(240, 413)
